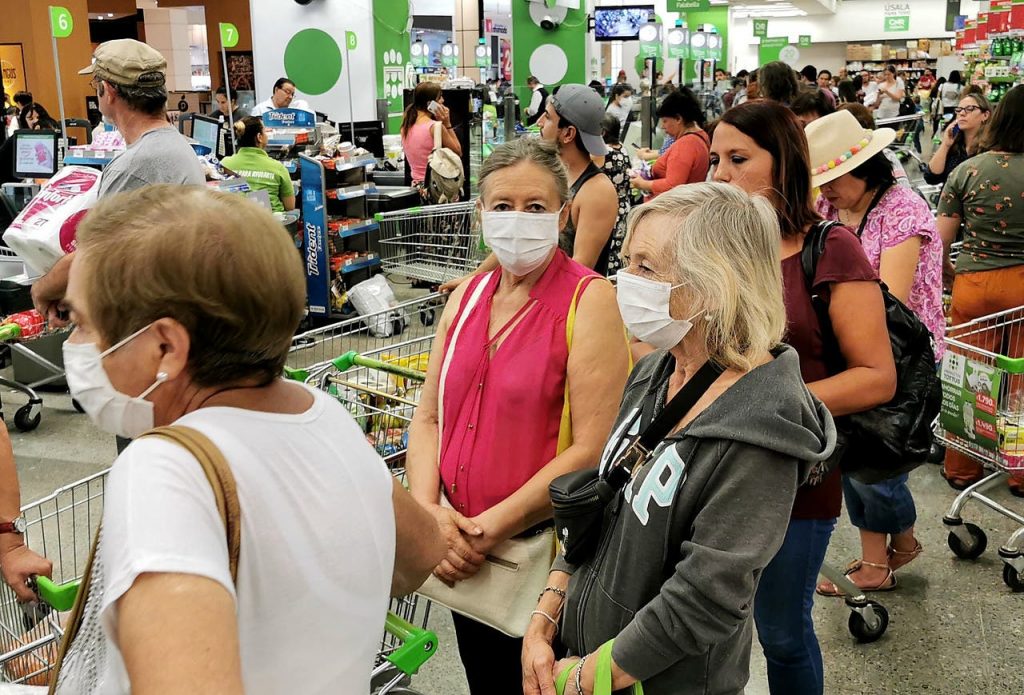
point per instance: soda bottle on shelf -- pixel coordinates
(24, 324)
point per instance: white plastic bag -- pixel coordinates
(373, 298)
(45, 230)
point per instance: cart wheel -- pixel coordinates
(427, 317)
(1013, 579)
(973, 550)
(865, 633)
(24, 420)
(78, 406)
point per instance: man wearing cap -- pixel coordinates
(129, 80)
(572, 120)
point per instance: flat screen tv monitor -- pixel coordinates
(35, 154)
(206, 131)
(369, 135)
(620, 23)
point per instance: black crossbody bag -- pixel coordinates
(579, 498)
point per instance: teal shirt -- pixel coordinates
(262, 173)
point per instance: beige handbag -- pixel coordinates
(504, 592)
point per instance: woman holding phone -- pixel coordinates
(422, 118)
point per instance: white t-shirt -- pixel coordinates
(268, 105)
(887, 106)
(316, 558)
(949, 92)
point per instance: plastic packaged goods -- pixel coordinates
(24, 324)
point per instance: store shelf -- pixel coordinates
(357, 164)
(360, 265)
(354, 230)
(351, 192)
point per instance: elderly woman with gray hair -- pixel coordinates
(528, 363)
(713, 437)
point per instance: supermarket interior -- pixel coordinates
(312, 110)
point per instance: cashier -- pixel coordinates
(252, 163)
(282, 98)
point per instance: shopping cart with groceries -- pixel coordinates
(982, 416)
(61, 527)
(406, 323)
(431, 244)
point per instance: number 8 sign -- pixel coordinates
(61, 22)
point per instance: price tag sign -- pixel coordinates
(228, 35)
(61, 22)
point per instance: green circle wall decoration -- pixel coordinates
(312, 60)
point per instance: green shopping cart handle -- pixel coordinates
(300, 375)
(418, 644)
(61, 597)
(352, 359)
(1010, 365)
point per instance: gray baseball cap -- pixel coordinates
(584, 108)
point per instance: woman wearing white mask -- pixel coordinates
(731, 430)
(488, 435)
(170, 328)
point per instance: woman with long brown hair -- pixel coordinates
(760, 147)
(422, 118)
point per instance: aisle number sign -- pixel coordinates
(805, 41)
(970, 391)
(678, 44)
(61, 22)
(228, 35)
(650, 40)
(761, 28)
(897, 16)
(350, 40)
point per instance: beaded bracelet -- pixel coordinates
(579, 675)
(554, 590)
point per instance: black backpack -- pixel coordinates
(895, 437)
(907, 106)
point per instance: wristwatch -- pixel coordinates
(18, 525)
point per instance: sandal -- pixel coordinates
(902, 558)
(827, 588)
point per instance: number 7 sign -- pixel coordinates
(228, 35)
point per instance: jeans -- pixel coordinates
(885, 507)
(782, 609)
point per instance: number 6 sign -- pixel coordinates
(61, 22)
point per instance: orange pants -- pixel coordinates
(980, 294)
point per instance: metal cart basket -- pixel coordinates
(61, 527)
(434, 243)
(982, 417)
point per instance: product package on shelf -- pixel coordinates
(45, 230)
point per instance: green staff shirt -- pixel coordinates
(987, 194)
(262, 173)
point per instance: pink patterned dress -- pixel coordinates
(900, 215)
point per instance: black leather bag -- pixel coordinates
(579, 499)
(895, 437)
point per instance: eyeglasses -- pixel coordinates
(966, 109)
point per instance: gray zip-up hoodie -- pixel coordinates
(684, 543)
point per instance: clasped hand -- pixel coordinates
(468, 544)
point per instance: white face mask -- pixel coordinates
(626, 102)
(111, 410)
(522, 241)
(644, 305)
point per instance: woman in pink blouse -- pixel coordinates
(487, 438)
(899, 236)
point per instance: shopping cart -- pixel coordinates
(982, 416)
(434, 243)
(62, 526)
(405, 323)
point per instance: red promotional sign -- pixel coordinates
(1017, 15)
(971, 32)
(982, 26)
(959, 44)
